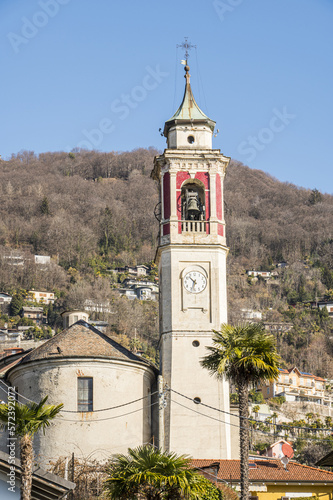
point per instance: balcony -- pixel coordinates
(194, 226)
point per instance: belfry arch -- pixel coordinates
(192, 198)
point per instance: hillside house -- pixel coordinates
(102, 326)
(10, 350)
(140, 270)
(14, 259)
(280, 449)
(42, 260)
(5, 300)
(142, 290)
(41, 297)
(34, 313)
(251, 314)
(295, 385)
(266, 275)
(263, 412)
(278, 327)
(10, 337)
(97, 306)
(328, 304)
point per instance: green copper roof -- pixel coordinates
(188, 111)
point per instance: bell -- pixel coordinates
(193, 210)
(193, 205)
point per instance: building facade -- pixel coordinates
(295, 385)
(41, 297)
(36, 314)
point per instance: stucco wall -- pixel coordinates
(98, 434)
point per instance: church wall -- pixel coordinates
(97, 434)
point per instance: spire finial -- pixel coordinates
(186, 45)
(187, 73)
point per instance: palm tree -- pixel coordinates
(255, 410)
(148, 473)
(309, 416)
(28, 420)
(274, 417)
(245, 354)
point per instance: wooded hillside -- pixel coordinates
(93, 211)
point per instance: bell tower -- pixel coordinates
(192, 268)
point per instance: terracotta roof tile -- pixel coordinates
(83, 340)
(267, 470)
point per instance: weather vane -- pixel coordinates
(186, 45)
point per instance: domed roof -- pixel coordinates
(81, 340)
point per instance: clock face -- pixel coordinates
(195, 282)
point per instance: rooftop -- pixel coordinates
(45, 485)
(267, 471)
(81, 340)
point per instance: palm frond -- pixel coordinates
(145, 467)
(29, 418)
(241, 352)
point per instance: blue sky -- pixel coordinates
(107, 74)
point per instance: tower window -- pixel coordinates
(197, 400)
(85, 394)
(195, 343)
(190, 139)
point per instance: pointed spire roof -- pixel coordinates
(188, 112)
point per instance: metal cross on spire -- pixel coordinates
(186, 45)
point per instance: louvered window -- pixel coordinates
(85, 394)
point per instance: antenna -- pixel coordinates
(285, 462)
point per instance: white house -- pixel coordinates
(262, 274)
(280, 449)
(42, 260)
(41, 297)
(251, 314)
(328, 304)
(5, 298)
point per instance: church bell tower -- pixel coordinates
(192, 270)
